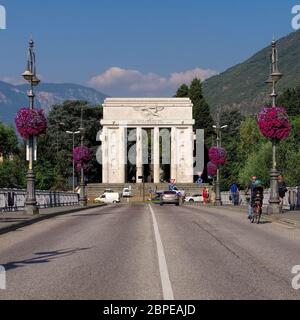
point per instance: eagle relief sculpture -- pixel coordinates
(150, 113)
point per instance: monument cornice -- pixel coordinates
(146, 122)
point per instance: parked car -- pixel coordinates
(108, 198)
(170, 197)
(181, 193)
(194, 198)
(127, 193)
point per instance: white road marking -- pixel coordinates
(163, 268)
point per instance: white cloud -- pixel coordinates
(125, 82)
(13, 80)
(188, 76)
(17, 80)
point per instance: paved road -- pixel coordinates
(142, 252)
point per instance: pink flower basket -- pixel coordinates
(217, 156)
(211, 169)
(30, 122)
(274, 123)
(82, 156)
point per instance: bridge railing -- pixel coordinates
(291, 200)
(14, 199)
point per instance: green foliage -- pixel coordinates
(8, 141)
(231, 141)
(258, 164)
(201, 111)
(290, 99)
(55, 147)
(183, 92)
(243, 85)
(250, 136)
(292, 169)
(12, 174)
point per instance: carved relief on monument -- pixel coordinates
(150, 113)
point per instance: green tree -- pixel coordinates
(55, 147)
(183, 91)
(290, 99)
(9, 144)
(231, 141)
(258, 164)
(201, 111)
(250, 137)
(12, 174)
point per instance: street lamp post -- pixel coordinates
(82, 196)
(30, 75)
(73, 133)
(218, 128)
(275, 76)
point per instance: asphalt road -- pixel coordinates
(150, 253)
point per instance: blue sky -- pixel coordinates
(137, 47)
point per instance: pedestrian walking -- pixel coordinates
(205, 195)
(249, 192)
(10, 200)
(282, 189)
(235, 194)
(293, 199)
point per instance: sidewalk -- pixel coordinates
(288, 217)
(291, 218)
(11, 221)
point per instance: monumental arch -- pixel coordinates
(155, 115)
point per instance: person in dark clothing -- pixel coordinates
(258, 194)
(10, 200)
(234, 193)
(282, 189)
(249, 195)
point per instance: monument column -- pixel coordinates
(174, 154)
(139, 154)
(104, 139)
(156, 160)
(122, 154)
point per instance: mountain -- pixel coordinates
(12, 98)
(243, 86)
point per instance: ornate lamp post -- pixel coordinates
(275, 76)
(73, 134)
(82, 197)
(218, 128)
(31, 76)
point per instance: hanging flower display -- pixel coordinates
(211, 169)
(274, 123)
(217, 156)
(30, 122)
(82, 156)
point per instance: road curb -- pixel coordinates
(43, 217)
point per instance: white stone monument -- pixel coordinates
(120, 114)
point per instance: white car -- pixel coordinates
(127, 193)
(181, 193)
(194, 198)
(108, 198)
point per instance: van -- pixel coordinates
(109, 198)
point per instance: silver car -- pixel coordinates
(170, 197)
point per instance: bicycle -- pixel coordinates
(257, 212)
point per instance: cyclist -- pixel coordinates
(257, 197)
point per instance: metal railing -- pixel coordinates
(14, 199)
